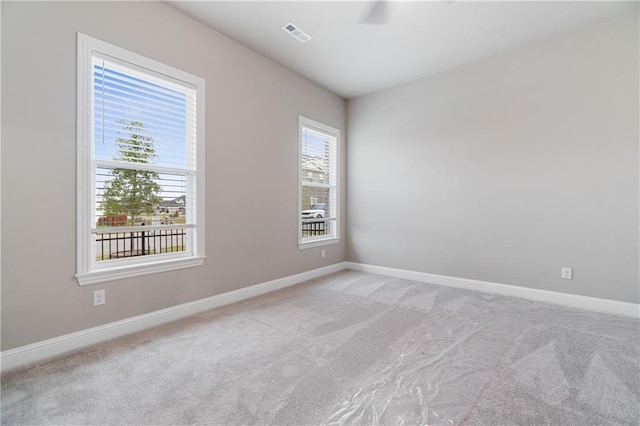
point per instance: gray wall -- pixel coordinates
(252, 108)
(507, 169)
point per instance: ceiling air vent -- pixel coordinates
(296, 32)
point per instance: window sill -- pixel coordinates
(123, 272)
(318, 243)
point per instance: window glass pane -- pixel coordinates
(316, 149)
(316, 202)
(126, 197)
(139, 120)
(316, 212)
(144, 197)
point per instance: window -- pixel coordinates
(140, 165)
(319, 218)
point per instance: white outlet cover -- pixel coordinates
(98, 297)
(567, 273)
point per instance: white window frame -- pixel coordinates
(89, 271)
(310, 242)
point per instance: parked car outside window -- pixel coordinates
(315, 212)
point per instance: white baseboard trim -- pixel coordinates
(566, 299)
(39, 351)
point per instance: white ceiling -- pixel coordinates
(351, 58)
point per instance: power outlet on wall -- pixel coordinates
(98, 297)
(567, 273)
(323, 253)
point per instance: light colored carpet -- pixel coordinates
(349, 348)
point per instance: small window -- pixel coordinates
(319, 219)
(140, 165)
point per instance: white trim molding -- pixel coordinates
(113, 274)
(572, 300)
(39, 351)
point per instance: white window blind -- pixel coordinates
(144, 139)
(144, 147)
(318, 183)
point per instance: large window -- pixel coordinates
(140, 165)
(319, 211)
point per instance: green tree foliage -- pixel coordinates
(133, 192)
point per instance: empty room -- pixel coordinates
(312, 212)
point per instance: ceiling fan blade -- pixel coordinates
(377, 13)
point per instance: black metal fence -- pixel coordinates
(116, 245)
(314, 228)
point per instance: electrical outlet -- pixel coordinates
(323, 253)
(98, 297)
(567, 273)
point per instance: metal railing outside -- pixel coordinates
(314, 227)
(116, 245)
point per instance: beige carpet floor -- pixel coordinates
(349, 348)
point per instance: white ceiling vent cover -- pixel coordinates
(296, 32)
